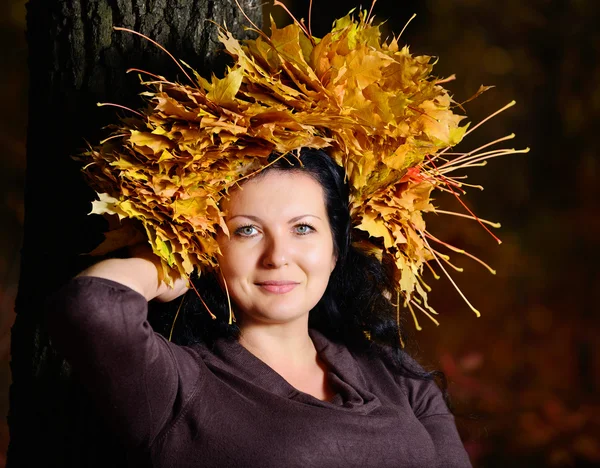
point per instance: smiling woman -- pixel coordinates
(313, 332)
(288, 197)
(277, 269)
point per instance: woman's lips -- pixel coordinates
(277, 287)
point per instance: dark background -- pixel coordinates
(524, 377)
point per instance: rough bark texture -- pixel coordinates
(77, 60)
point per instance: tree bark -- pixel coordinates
(76, 59)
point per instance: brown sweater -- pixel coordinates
(179, 406)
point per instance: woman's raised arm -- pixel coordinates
(98, 321)
(138, 273)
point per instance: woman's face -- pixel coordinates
(279, 254)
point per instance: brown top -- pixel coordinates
(195, 407)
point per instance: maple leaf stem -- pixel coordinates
(477, 219)
(508, 106)
(443, 189)
(466, 207)
(259, 170)
(462, 215)
(477, 313)
(155, 82)
(405, 26)
(231, 315)
(116, 28)
(398, 318)
(139, 70)
(310, 18)
(422, 281)
(102, 104)
(256, 28)
(479, 160)
(112, 137)
(213, 316)
(417, 326)
(300, 24)
(175, 319)
(446, 160)
(460, 251)
(417, 174)
(433, 319)
(473, 152)
(479, 164)
(431, 309)
(457, 185)
(464, 184)
(422, 112)
(446, 259)
(475, 160)
(433, 272)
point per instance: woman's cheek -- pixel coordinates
(242, 258)
(318, 259)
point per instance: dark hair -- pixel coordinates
(354, 309)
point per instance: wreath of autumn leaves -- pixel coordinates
(371, 105)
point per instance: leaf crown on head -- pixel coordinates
(371, 105)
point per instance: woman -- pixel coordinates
(309, 375)
(296, 186)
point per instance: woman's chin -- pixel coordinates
(274, 316)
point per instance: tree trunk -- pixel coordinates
(77, 60)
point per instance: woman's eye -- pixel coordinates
(304, 229)
(251, 231)
(246, 231)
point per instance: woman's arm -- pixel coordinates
(135, 376)
(138, 273)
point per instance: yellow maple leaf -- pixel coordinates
(105, 205)
(224, 90)
(375, 226)
(156, 143)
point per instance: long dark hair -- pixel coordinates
(354, 310)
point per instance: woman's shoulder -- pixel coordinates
(385, 368)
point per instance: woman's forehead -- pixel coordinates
(277, 193)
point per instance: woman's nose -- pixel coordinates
(276, 252)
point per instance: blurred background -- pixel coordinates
(525, 376)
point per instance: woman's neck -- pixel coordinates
(285, 346)
(290, 352)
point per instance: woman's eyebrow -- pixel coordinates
(258, 220)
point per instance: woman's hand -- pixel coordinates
(139, 273)
(167, 294)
